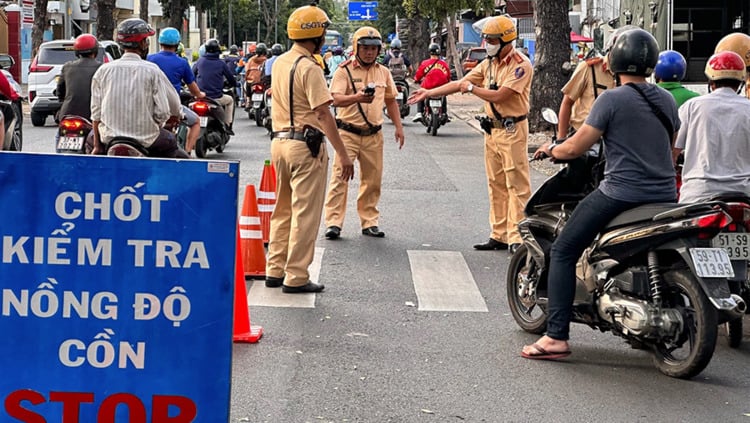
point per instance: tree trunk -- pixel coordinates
(105, 19)
(452, 52)
(201, 25)
(143, 13)
(416, 38)
(552, 51)
(40, 23)
(174, 12)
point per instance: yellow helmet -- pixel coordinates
(500, 27)
(366, 36)
(738, 43)
(307, 22)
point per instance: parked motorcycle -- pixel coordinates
(256, 104)
(435, 114)
(72, 133)
(652, 276)
(214, 135)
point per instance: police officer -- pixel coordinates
(300, 112)
(504, 83)
(360, 87)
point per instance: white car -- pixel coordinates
(46, 68)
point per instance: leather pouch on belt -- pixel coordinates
(313, 139)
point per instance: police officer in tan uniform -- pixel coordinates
(300, 111)
(504, 82)
(360, 87)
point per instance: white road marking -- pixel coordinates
(259, 295)
(443, 282)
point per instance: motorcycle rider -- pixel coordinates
(715, 131)
(210, 73)
(74, 85)
(336, 58)
(397, 62)
(359, 116)
(637, 142)
(739, 43)
(276, 51)
(254, 70)
(231, 60)
(669, 71)
(178, 72)
(131, 97)
(432, 73)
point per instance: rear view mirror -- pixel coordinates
(6, 61)
(549, 115)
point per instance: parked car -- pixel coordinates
(46, 68)
(471, 57)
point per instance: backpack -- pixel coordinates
(254, 71)
(396, 66)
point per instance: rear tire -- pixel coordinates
(521, 302)
(693, 351)
(734, 332)
(259, 117)
(38, 119)
(200, 147)
(434, 124)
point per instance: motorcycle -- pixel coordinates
(435, 114)
(73, 132)
(267, 110)
(402, 93)
(652, 276)
(256, 104)
(126, 147)
(214, 135)
(13, 133)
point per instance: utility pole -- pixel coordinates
(67, 21)
(276, 22)
(231, 25)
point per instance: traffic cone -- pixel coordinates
(253, 254)
(242, 330)
(267, 199)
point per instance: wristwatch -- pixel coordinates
(470, 87)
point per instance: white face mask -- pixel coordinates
(492, 50)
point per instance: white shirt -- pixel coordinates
(715, 135)
(132, 98)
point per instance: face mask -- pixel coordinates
(493, 50)
(396, 53)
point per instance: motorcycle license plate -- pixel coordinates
(737, 245)
(70, 143)
(436, 103)
(399, 96)
(257, 97)
(712, 263)
(204, 121)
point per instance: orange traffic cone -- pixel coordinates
(243, 331)
(253, 254)
(267, 198)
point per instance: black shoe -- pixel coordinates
(333, 232)
(273, 282)
(513, 247)
(373, 231)
(304, 289)
(492, 244)
(229, 130)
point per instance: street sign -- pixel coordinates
(363, 10)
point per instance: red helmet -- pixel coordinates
(85, 44)
(132, 31)
(725, 65)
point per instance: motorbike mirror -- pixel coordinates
(549, 115)
(6, 61)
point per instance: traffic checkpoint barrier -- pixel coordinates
(243, 331)
(253, 253)
(267, 199)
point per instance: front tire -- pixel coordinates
(688, 355)
(522, 299)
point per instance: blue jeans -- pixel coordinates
(587, 220)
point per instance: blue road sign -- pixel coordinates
(363, 10)
(116, 288)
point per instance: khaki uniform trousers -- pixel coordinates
(368, 150)
(300, 191)
(507, 167)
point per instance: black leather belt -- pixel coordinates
(289, 135)
(502, 123)
(363, 132)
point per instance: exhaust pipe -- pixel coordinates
(740, 307)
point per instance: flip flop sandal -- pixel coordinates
(544, 354)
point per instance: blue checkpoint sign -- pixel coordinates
(116, 289)
(363, 10)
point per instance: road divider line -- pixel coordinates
(443, 282)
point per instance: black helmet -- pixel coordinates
(434, 49)
(634, 53)
(132, 31)
(233, 49)
(277, 49)
(212, 46)
(261, 49)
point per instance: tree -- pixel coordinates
(40, 23)
(552, 51)
(173, 11)
(143, 12)
(105, 19)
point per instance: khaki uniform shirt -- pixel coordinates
(514, 72)
(310, 90)
(384, 89)
(580, 88)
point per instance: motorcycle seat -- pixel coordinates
(639, 214)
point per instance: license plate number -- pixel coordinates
(737, 245)
(257, 97)
(70, 143)
(204, 121)
(712, 263)
(436, 103)
(399, 96)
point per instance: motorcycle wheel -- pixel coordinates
(434, 124)
(692, 351)
(259, 118)
(16, 144)
(734, 332)
(522, 305)
(200, 147)
(405, 110)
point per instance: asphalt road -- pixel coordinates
(368, 351)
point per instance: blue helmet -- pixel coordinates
(169, 36)
(670, 67)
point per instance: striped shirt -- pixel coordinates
(132, 98)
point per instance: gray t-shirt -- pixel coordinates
(637, 148)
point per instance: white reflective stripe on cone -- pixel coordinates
(266, 208)
(250, 234)
(249, 220)
(266, 195)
